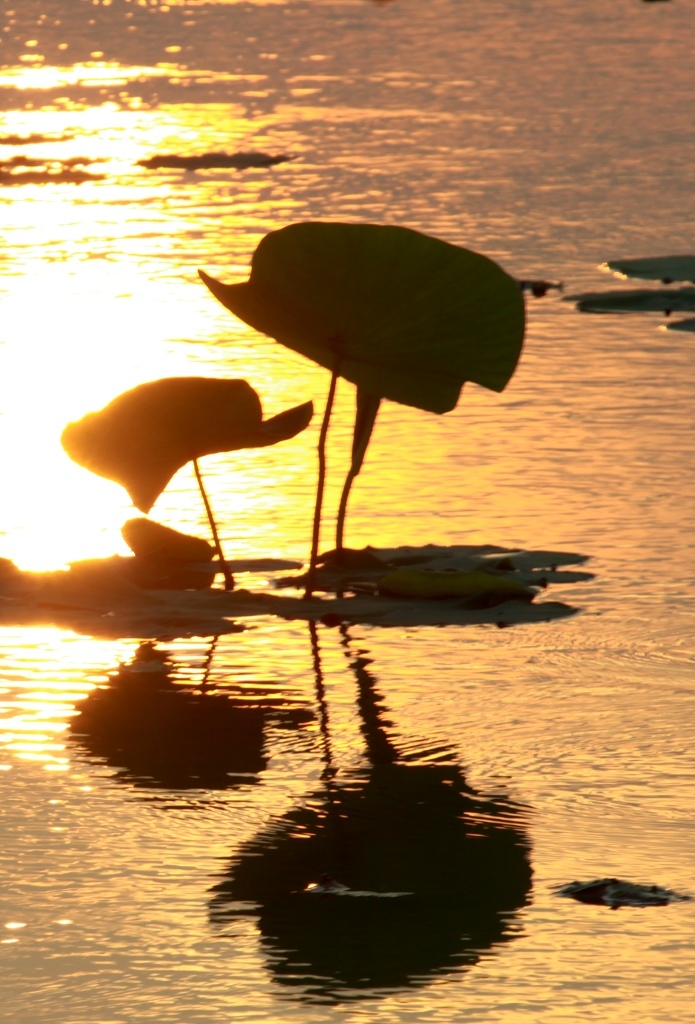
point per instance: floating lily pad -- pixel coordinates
(99, 597)
(639, 300)
(481, 586)
(688, 326)
(205, 161)
(656, 268)
(615, 893)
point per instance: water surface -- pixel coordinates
(162, 810)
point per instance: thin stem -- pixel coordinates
(342, 508)
(228, 580)
(316, 532)
(367, 407)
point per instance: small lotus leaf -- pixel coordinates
(147, 539)
(400, 314)
(656, 268)
(144, 436)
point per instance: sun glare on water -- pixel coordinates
(100, 293)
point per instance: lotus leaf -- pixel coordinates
(400, 314)
(144, 436)
(147, 539)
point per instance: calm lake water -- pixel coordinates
(162, 808)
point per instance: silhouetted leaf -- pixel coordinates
(615, 893)
(639, 300)
(656, 268)
(147, 539)
(400, 314)
(682, 325)
(205, 161)
(144, 436)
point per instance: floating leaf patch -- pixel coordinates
(639, 300)
(683, 325)
(615, 893)
(656, 268)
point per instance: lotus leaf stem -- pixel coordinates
(316, 532)
(342, 508)
(228, 580)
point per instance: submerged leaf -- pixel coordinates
(656, 268)
(144, 436)
(400, 314)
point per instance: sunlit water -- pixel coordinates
(156, 845)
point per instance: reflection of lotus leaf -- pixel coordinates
(158, 733)
(401, 829)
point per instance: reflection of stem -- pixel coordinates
(228, 581)
(311, 574)
(321, 697)
(380, 749)
(207, 664)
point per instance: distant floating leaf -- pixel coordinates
(656, 268)
(682, 325)
(640, 300)
(614, 893)
(205, 161)
(144, 436)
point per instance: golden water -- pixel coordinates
(550, 137)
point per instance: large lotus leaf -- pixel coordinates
(638, 300)
(400, 314)
(147, 434)
(656, 268)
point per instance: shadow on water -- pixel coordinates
(158, 732)
(431, 874)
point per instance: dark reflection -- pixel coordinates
(159, 731)
(433, 871)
